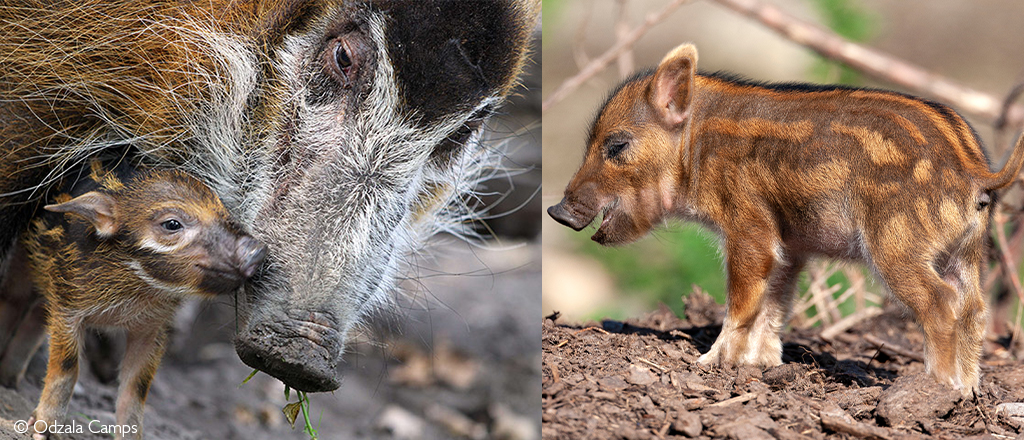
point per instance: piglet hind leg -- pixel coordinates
(950, 308)
(28, 337)
(971, 322)
(22, 320)
(143, 352)
(761, 286)
(964, 273)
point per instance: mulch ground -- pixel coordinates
(639, 379)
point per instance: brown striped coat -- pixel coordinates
(785, 172)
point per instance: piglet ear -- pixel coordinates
(98, 208)
(672, 88)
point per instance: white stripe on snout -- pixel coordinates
(150, 244)
(160, 285)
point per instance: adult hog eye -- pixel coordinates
(616, 148)
(341, 57)
(171, 225)
(343, 61)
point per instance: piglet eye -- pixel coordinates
(615, 149)
(171, 225)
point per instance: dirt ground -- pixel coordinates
(639, 379)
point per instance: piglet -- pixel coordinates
(121, 251)
(788, 172)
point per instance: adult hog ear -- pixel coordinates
(672, 87)
(98, 208)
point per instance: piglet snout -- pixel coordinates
(249, 255)
(565, 214)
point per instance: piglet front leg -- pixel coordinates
(61, 375)
(761, 287)
(144, 350)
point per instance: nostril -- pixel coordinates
(563, 216)
(250, 255)
(558, 212)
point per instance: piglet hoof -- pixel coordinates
(720, 354)
(708, 359)
(761, 348)
(967, 392)
(714, 359)
(726, 357)
(37, 435)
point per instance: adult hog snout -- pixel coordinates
(299, 347)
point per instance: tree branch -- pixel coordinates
(622, 32)
(876, 63)
(601, 62)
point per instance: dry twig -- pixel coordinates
(822, 296)
(1008, 269)
(663, 369)
(1016, 221)
(555, 376)
(835, 419)
(579, 53)
(1005, 260)
(596, 329)
(851, 320)
(738, 399)
(625, 60)
(1001, 122)
(892, 348)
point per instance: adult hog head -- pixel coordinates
(633, 168)
(377, 110)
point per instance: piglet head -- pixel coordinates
(172, 231)
(632, 170)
